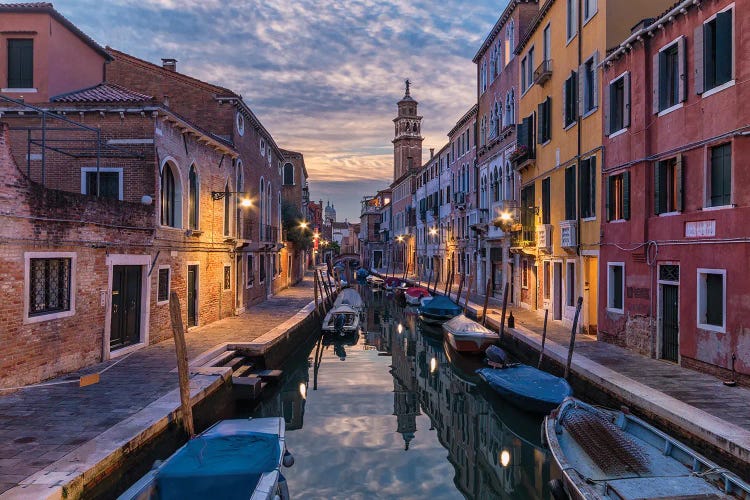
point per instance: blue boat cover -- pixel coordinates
(218, 467)
(530, 388)
(441, 306)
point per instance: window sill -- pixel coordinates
(615, 311)
(590, 112)
(570, 125)
(572, 37)
(717, 89)
(50, 316)
(586, 21)
(720, 207)
(670, 214)
(619, 132)
(589, 219)
(666, 111)
(19, 91)
(162, 302)
(712, 328)
(126, 350)
(248, 287)
(617, 221)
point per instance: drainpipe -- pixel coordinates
(578, 151)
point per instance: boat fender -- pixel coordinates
(557, 490)
(288, 459)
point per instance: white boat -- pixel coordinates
(465, 335)
(350, 297)
(425, 300)
(376, 282)
(239, 458)
(342, 320)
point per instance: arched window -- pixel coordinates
(288, 174)
(170, 197)
(496, 187)
(193, 199)
(510, 38)
(227, 208)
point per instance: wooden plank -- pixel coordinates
(182, 362)
(90, 379)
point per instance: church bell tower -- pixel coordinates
(407, 142)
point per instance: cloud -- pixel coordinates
(323, 76)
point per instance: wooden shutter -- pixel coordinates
(581, 89)
(565, 102)
(521, 133)
(626, 100)
(698, 58)
(20, 63)
(540, 123)
(724, 53)
(592, 186)
(655, 78)
(678, 180)
(658, 183)
(582, 205)
(626, 195)
(681, 69)
(548, 117)
(570, 193)
(607, 198)
(595, 79)
(607, 101)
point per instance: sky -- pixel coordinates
(323, 76)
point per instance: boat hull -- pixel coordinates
(530, 389)
(469, 344)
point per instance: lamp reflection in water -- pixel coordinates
(400, 328)
(504, 458)
(433, 365)
(303, 390)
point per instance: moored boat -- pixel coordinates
(375, 282)
(362, 273)
(350, 297)
(612, 454)
(391, 282)
(239, 458)
(439, 310)
(414, 295)
(467, 336)
(342, 320)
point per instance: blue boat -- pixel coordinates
(527, 387)
(233, 459)
(613, 454)
(439, 310)
(362, 273)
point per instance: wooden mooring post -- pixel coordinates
(182, 363)
(573, 338)
(315, 286)
(460, 289)
(505, 307)
(544, 337)
(468, 292)
(487, 291)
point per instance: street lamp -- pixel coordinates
(245, 200)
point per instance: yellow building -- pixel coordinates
(559, 151)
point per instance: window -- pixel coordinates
(544, 125)
(570, 99)
(571, 20)
(240, 122)
(510, 40)
(288, 174)
(227, 208)
(262, 268)
(250, 272)
(273, 266)
(618, 109)
(547, 279)
(589, 9)
(162, 294)
(720, 181)
(713, 64)
(193, 198)
(110, 185)
(712, 299)
(668, 185)
(546, 216)
(615, 286)
(589, 83)
(525, 273)
(51, 280)
(547, 43)
(587, 179)
(618, 196)
(570, 193)
(524, 62)
(570, 284)
(525, 135)
(262, 147)
(168, 197)
(530, 68)
(227, 277)
(20, 63)
(669, 76)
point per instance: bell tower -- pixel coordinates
(407, 142)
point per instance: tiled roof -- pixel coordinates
(104, 92)
(48, 8)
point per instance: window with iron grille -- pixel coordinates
(262, 268)
(109, 184)
(163, 286)
(669, 272)
(615, 286)
(227, 277)
(49, 286)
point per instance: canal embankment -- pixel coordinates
(64, 441)
(697, 408)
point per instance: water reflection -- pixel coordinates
(380, 423)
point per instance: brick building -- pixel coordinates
(674, 241)
(295, 197)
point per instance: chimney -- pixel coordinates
(432, 153)
(169, 64)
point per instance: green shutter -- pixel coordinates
(715, 299)
(607, 198)
(723, 52)
(20, 63)
(540, 123)
(678, 178)
(593, 178)
(658, 183)
(626, 195)
(570, 193)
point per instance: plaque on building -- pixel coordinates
(700, 229)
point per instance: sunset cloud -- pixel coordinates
(323, 75)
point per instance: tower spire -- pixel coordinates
(408, 84)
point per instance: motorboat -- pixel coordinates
(342, 320)
(391, 282)
(425, 300)
(439, 310)
(362, 273)
(525, 386)
(350, 297)
(239, 458)
(613, 454)
(467, 336)
(375, 282)
(401, 289)
(415, 294)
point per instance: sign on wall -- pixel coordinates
(700, 229)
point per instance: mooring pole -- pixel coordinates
(182, 363)
(315, 286)
(468, 292)
(460, 289)
(573, 337)
(505, 306)
(544, 337)
(486, 301)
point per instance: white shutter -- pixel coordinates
(581, 89)
(606, 103)
(655, 79)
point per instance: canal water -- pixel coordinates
(394, 413)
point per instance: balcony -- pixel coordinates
(269, 234)
(423, 215)
(460, 200)
(524, 239)
(568, 234)
(245, 229)
(544, 238)
(543, 72)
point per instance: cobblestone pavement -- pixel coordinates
(38, 426)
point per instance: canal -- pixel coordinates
(393, 413)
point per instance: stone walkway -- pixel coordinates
(39, 426)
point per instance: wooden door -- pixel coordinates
(192, 295)
(670, 331)
(125, 326)
(557, 298)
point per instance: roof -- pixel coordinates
(104, 92)
(533, 26)
(465, 118)
(497, 27)
(287, 154)
(48, 8)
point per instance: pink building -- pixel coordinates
(674, 248)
